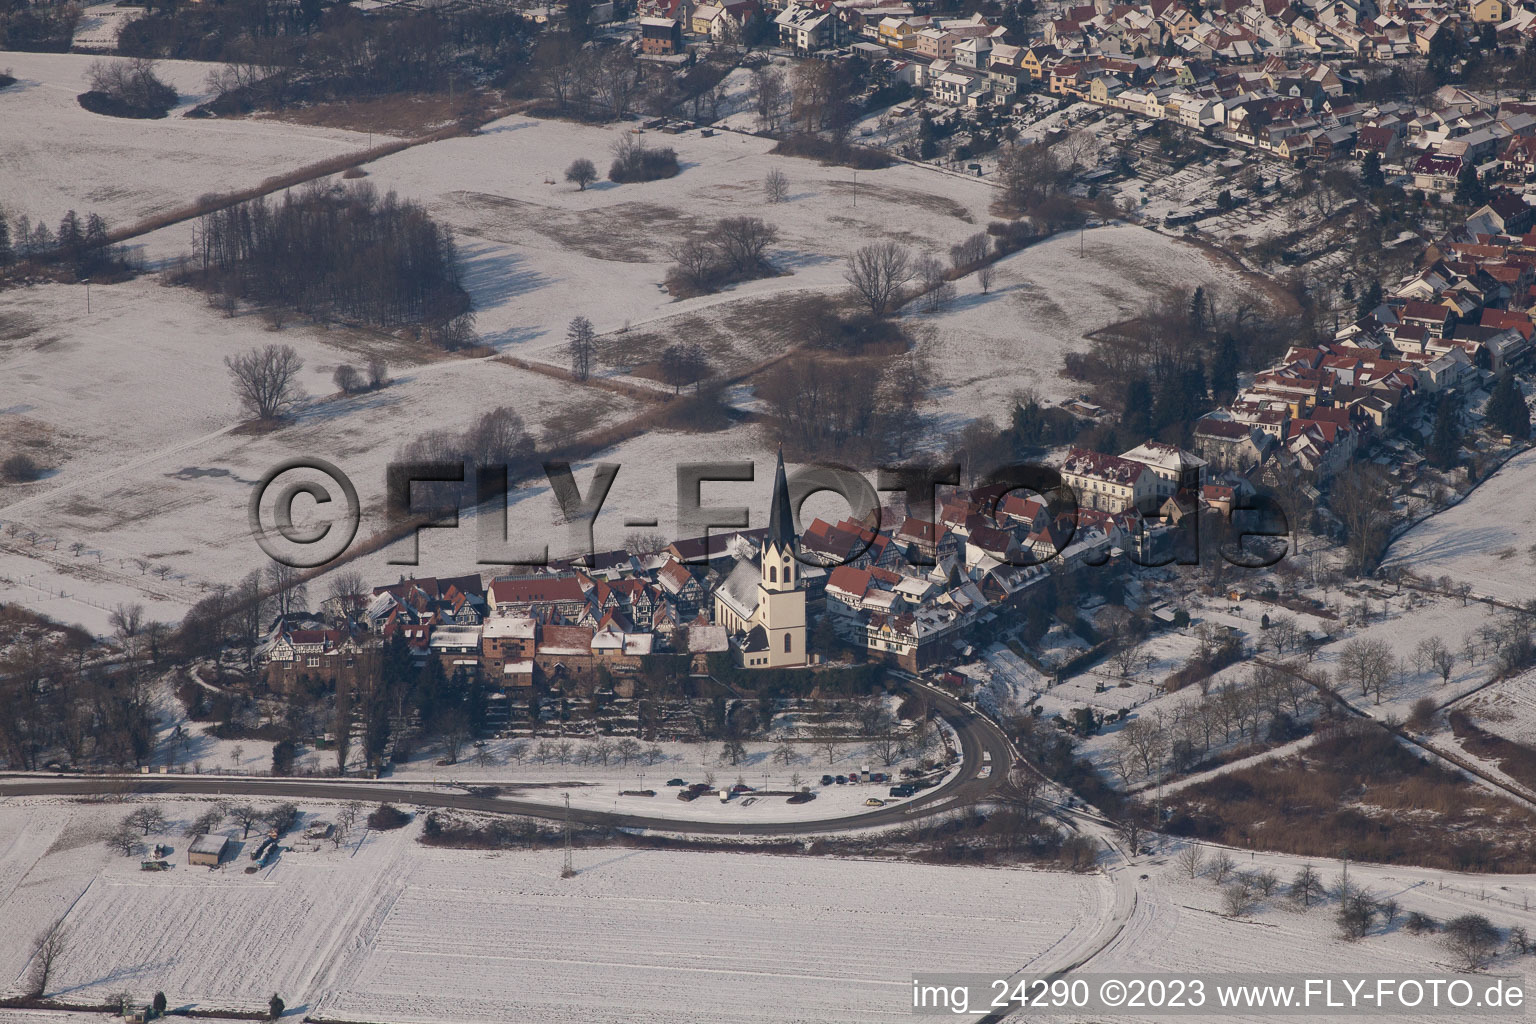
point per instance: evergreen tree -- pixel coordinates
(1224, 369)
(1470, 189)
(1370, 300)
(1445, 442)
(1370, 171)
(1198, 311)
(1137, 416)
(1026, 427)
(1507, 411)
(71, 238)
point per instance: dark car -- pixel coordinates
(826, 780)
(741, 787)
(902, 790)
(842, 780)
(676, 782)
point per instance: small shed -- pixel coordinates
(207, 849)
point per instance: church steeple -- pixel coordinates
(779, 566)
(781, 518)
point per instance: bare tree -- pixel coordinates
(1306, 886)
(776, 186)
(347, 589)
(984, 277)
(628, 749)
(123, 840)
(1368, 664)
(1437, 656)
(1357, 912)
(1221, 866)
(933, 282)
(378, 372)
(743, 242)
(581, 173)
(1145, 742)
(696, 260)
(1237, 899)
(967, 254)
(769, 96)
(49, 946)
(581, 343)
(246, 816)
(347, 379)
(204, 823)
(1190, 859)
(829, 737)
(149, 819)
(266, 380)
(1472, 939)
(878, 272)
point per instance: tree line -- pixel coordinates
(339, 252)
(81, 245)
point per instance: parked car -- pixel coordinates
(676, 782)
(842, 780)
(877, 776)
(902, 790)
(853, 776)
(826, 780)
(874, 801)
(741, 787)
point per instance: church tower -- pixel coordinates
(781, 601)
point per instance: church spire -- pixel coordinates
(781, 520)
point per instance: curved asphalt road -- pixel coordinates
(977, 736)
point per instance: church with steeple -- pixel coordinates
(762, 606)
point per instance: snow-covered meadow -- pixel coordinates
(385, 929)
(1485, 540)
(56, 156)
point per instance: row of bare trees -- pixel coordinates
(1271, 703)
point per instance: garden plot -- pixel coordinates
(56, 156)
(1507, 708)
(1485, 540)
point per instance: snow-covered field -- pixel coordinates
(385, 929)
(56, 156)
(388, 930)
(1485, 540)
(1045, 299)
